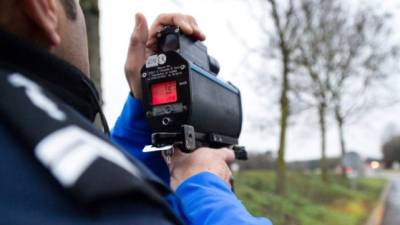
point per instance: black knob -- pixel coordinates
(214, 65)
(240, 152)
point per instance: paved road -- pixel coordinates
(392, 212)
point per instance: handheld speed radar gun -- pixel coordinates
(186, 104)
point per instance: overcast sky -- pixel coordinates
(117, 21)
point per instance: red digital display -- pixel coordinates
(162, 93)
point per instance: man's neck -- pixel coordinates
(54, 74)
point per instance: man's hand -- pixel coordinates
(184, 165)
(143, 42)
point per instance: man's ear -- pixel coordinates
(45, 15)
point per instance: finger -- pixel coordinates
(187, 24)
(175, 157)
(230, 177)
(165, 156)
(227, 154)
(197, 33)
(176, 19)
(227, 175)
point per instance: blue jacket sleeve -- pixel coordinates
(201, 199)
(206, 199)
(132, 133)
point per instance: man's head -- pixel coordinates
(56, 25)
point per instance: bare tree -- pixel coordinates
(316, 29)
(284, 28)
(342, 53)
(365, 53)
(391, 151)
(327, 53)
(278, 47)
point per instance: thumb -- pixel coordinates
(139, 36)
(137, 54)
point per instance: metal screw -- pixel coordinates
(166, 121)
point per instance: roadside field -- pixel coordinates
(308, 200)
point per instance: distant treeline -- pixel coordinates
(391, 151)
(260, 161)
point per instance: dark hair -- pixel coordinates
(70, 8)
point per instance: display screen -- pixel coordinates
(163, 93)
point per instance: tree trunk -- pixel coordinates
(284, 107)
(340, 123)
(91, 10)
(281, 166)
(322, 125)
(280, 187)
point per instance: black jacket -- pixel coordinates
(55, 167)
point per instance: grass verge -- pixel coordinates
(308, 200)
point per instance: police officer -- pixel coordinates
(56, 168)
